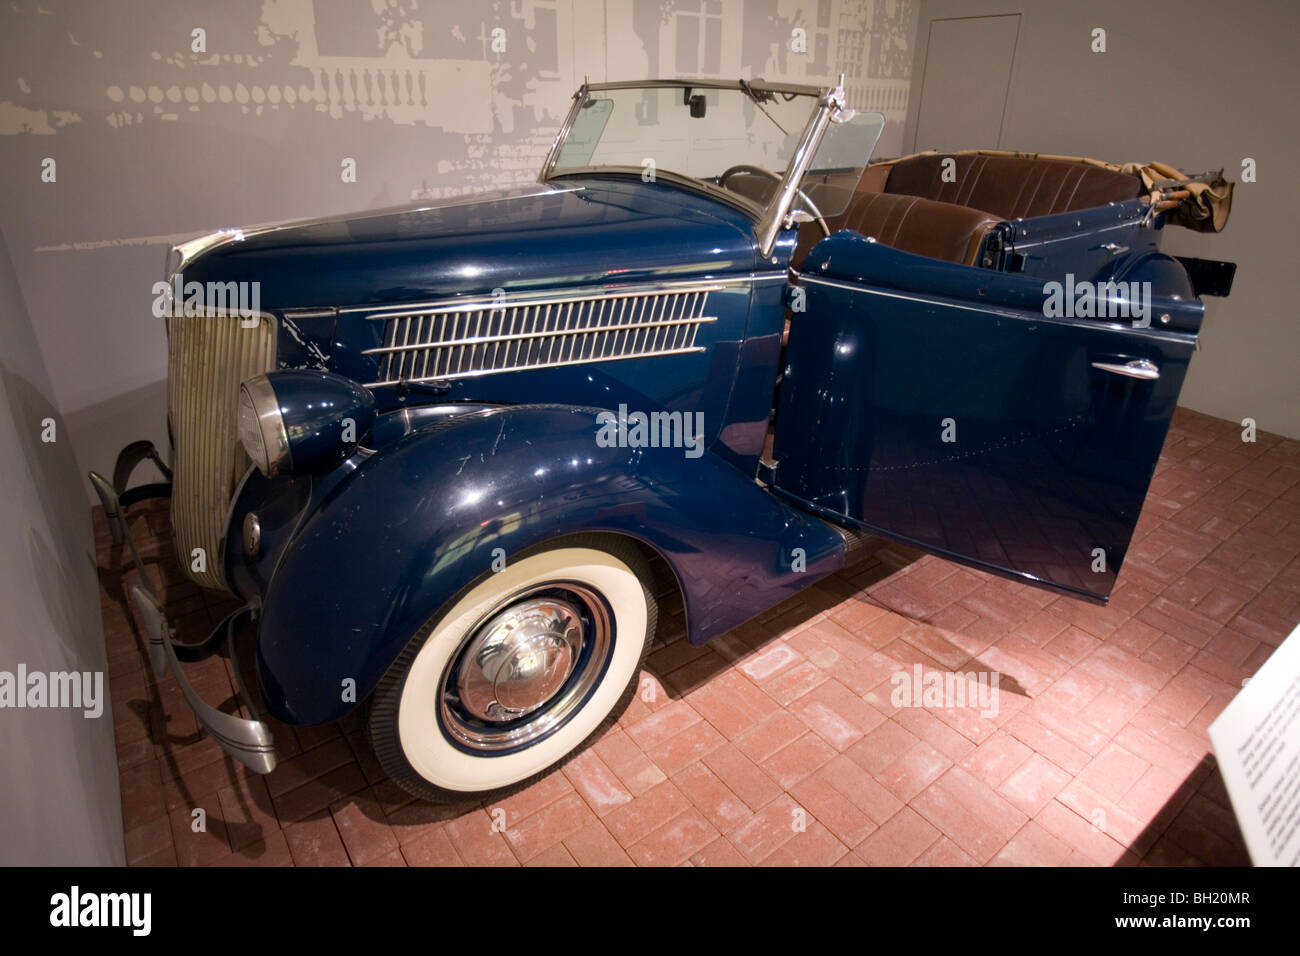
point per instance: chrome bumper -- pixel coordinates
(248, 741)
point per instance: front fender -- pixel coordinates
(422, 518)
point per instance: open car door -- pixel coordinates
(940, 404)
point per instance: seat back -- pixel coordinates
(938, 230)
(1011, 187)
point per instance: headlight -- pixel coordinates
(297, 421)
(261, 427)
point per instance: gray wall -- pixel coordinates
(155, 143)
(59, 797)
(1200, 85)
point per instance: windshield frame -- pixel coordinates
(769, 220)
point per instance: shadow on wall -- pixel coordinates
(60, 803)
(28, 409)
(97, 432)
(49, 463)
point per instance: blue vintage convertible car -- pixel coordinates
(445, 457)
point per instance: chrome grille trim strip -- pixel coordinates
(526, 368)
(483, 339)
(571, 296)
(451, 339)
(208, 357)
(541, 297)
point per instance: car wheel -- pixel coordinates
(517, 672)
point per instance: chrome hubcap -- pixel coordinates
(520, 659)
(526, 668)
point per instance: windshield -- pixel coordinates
(719, 137)
(840, 160)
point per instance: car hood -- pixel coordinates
(570, 233)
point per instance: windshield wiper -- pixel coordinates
(749, 91)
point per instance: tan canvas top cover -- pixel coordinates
(1200, 202)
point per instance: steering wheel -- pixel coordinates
(759, 170)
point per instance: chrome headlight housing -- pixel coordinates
(261, 427)
(298, 421)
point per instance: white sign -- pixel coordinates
(1257, 742)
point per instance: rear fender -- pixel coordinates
(1168, 287)
(423, 518)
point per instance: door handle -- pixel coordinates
(1138, 368)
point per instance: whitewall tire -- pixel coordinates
(516, 672)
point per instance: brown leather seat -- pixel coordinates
(938, 230)
(908, 204)
(1011, 187)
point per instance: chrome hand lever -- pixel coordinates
(1138, 368)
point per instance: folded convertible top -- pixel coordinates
(1200, 202)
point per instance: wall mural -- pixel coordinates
(493, 77)
(162, 120)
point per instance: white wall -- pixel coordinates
(1200, 85)
(59, 796)
(155, 143)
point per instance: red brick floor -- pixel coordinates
(778, 743)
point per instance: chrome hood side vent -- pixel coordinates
(465, 338)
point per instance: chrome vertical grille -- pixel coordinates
(208, 357)
(480, 337)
